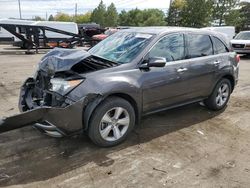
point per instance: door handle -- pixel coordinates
(217, 62)
(180, 70)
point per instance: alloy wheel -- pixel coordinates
(114, 124)
(222, 94)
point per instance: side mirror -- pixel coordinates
(154, 62)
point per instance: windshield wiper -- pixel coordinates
(106, 60)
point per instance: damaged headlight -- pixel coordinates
(61, 86)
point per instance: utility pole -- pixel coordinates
(170, 3)
(20, 14)
(75, 12)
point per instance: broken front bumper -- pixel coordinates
(53, 121)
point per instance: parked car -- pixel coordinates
(241, 43)
(104, 35)
(135, 72)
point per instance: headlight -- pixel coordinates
(61, 85)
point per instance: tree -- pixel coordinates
(51, 18)
(98, 14)
(222, 8)
(147, 17)
(83, 18)
(174, 14)
(123, 18)
(234, 18)
(245, 12)
(63, 17)
(239, 17)
(197, 13)
(38, 18)
(111, 16)
(153, 17)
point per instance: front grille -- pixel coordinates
(238, 45)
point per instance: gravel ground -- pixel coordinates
(185, 147)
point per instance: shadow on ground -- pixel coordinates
(28, 156)
(18, 51)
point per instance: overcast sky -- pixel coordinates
(31, 8)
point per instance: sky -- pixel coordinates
(31, 8)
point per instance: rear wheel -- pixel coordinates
(220, 96)
(111, 122)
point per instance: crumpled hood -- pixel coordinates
(59, 59)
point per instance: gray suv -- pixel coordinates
(106, 90)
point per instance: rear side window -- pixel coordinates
(170, 47)
(199, 45)
(219, 46)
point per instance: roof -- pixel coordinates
(159, 30)
(165, 30)
(244, 32)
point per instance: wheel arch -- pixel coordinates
(231, 79)
(87, 113)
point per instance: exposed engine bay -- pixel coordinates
(59, 68)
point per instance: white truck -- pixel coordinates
(228, 31)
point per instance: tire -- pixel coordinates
(220, 96)
(111, 122)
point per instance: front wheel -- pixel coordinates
(220, 96)
(111, 122)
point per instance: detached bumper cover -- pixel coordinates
(68, 120)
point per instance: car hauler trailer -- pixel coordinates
(35, 36)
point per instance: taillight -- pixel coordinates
(237, 58)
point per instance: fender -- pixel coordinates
(94, 104)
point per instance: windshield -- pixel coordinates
(243, 36)
(121, 47)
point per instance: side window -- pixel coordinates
(219, 47)
(170, 47)
(199, 45)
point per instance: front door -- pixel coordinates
(167, 85)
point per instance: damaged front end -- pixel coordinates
(44, 100)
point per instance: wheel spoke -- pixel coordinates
(219, 91)
(221, 101)
(105, 132)
(225, 95)
(117, 132)
(123, 121)
(106, 118)
(118, 112)
(218, 99)
(224, 88)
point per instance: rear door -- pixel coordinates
(202, 63)
(221, 50)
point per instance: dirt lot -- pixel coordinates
(184, 147)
